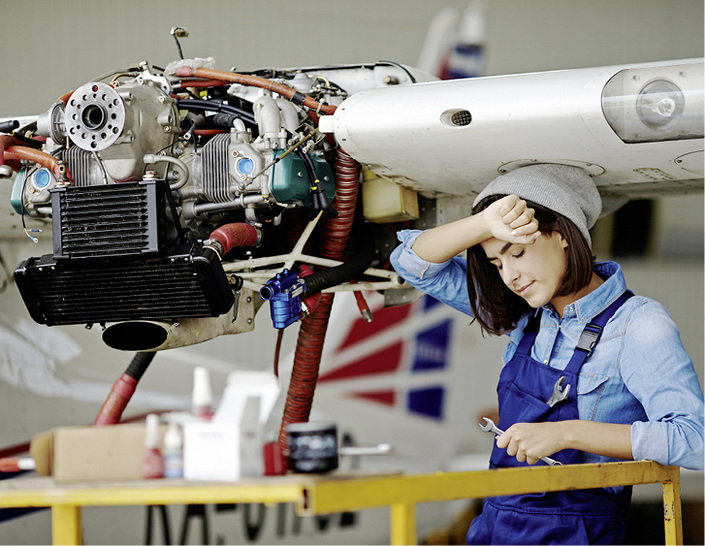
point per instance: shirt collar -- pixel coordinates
(591, 305)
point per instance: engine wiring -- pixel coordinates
(27, 230)
(179, 32)
(298, 98)
(101, 166)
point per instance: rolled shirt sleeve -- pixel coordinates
(446, 281)
(660, 374)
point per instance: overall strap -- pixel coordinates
(592, 332)
(530, 331)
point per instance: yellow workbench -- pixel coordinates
(314, 495)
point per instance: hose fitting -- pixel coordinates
(284, 295)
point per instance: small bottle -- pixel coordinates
(173, 452)
(152, 461)
(202, 397)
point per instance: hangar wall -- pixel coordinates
(51, 47)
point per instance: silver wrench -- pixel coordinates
(559, 394)
(489, 426)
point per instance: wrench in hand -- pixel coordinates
(489, 426)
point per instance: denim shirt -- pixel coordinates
(638, 374)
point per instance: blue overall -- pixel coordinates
(594, 516)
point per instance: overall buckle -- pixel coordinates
(589, 338)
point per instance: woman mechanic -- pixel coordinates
(530, 274)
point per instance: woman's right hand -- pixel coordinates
(510, 219)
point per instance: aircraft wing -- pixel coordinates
(636, 129)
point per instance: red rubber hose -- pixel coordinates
(309, 347)
(5, 142)
(254, 81)
(123, 389)
(237, 234)
(117, 400)
(42, 158)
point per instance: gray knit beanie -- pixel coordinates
(563, 189)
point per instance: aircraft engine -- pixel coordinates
(176, 194)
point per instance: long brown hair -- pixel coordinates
(493, 304)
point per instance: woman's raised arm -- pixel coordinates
(508, 219)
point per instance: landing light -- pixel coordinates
(656, 104)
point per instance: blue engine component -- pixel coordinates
(284, 295)
(39, 180)
(42, 179)
(245, 166)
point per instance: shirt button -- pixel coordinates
(570, 309)
(545, 361)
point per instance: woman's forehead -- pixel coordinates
(495, 247)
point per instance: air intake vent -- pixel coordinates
(456, 117)
(461, 118)
(123, 219)
(185, 283)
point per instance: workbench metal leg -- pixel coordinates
(672, 514)
(402, 521)
(66, 524)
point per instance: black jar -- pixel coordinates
(313, 447)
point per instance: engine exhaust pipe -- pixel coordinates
(147, 335)
(137, 335)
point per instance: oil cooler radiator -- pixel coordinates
(117, 256)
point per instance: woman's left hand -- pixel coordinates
(528, 442)
(531, 441)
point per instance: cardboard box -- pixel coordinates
(91, 454)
